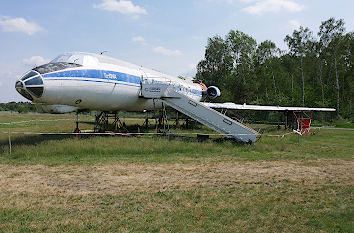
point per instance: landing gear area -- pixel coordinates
(108, 121)
(160, 122)
(77, 130)
(155, 121)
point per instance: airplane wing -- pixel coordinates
(264, 108)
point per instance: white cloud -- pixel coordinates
(139, 39)
(227, 1)
(294, 24)
(167, 52)
(18, 25)
(35, 60)
(122, 6)
(259, 7)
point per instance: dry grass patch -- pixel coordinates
(127, 178)
(207, 196)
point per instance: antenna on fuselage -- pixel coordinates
(103, 52)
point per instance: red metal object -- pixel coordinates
(203, 86)
(303, 119)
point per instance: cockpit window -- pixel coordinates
(34, 81)
(69, 58)
(61, 58)
(51, 67)
(27, 76)
(30, 86)
(25, 94)
(36, 91)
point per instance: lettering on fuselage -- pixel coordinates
(153, 89)
(110, 76)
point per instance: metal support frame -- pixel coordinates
(156, 124)
(102, 123)
(77, 130)
(161, 124)
(177, 121)
(290, 120)
(166, 126)
(146, 121)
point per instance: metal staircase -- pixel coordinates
(199, 112)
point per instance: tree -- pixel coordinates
(265, 53)
(318, 50)
(318, 70)
(331, 37)
(217, 64)
(242, 48)
(299, 44)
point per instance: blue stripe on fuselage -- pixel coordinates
(100, 74)
(94, 81)
(105, 76)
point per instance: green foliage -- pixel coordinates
(20, 107)
(315, 72)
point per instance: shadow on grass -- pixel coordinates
(31, 140)
(87, 122)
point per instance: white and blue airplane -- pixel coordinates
(74, 81)
(77, 81)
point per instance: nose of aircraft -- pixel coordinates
(30, 85)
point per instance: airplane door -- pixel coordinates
(143, 78)
(110, 81)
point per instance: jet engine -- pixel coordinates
(213, 92)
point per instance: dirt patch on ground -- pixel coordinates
(127, 178)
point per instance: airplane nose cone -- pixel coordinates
(30, 85)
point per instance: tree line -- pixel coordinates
(315, 71)
(20, 107)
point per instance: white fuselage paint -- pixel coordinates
(106, 84)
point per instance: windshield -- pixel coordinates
(51, 67)
(76, 58)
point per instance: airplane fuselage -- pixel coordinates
(96, 82)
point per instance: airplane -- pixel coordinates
(75, 81)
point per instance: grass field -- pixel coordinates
(153, 184)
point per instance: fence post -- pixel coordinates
(283, 145)
(10, 142)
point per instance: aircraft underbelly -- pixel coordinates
(96, 95)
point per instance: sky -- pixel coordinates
(166, 35)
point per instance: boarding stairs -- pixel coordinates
(198, 111)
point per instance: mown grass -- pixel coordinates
(248, 208)
(56, 150)
(320, 205)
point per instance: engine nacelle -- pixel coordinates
(58, 109)
(213, 92)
